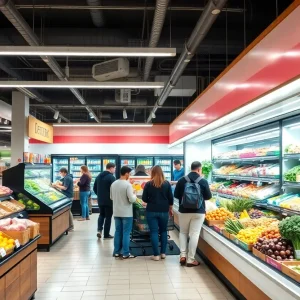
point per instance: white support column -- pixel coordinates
(19, 138)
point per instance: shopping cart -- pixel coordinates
(140, 234)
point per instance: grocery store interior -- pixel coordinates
(143, 84)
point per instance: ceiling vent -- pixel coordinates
(112, 69)
(123, 96)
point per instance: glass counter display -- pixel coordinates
(31, 185)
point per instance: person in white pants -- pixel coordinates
(191, 220)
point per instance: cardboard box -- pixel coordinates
(34, 231)
(217, 229)
(226, 234)
(289, 272)
(22, 236)
(259, 254)
(274, 263)
(243, 245)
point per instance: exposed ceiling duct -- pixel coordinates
(205, 22)
(31, 93)
(96, 15)
(12, 14)
(158, 23)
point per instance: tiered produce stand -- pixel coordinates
(45, 205)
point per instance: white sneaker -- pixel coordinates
(163, 256)
(155, 258)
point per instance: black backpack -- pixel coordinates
(192, 196)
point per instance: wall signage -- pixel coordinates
(39, 130)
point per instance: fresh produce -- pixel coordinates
(290, 229)
(250, 235)
(6, 243)
(265, 222)
(292, 149)
(4, 191)
(219, 214)
(233, 226)
(240, 205)
(29, 204)
(31, 186)
(225, 170)
(15, 224)
(271, 233)
(291, 174)
(255, 213)
(206, 168)
(291, 203)
(277, 248)
(244, 215)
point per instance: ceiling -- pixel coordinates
(126, 24)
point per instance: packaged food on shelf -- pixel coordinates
(292, 149)
(291, 175)
(278, 199)
(225, 170)
(291, 203)
(264, 221)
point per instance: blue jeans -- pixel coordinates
(122, 235)
(158, 223)
(84, 198)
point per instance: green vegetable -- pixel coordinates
(206, 168)
(291, 174)
(233, 227)
(239, 205)
(290, 229)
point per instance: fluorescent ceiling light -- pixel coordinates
(102, 125)
(153, 116)
(124, 114)
(81, 84)
(91, 115)
(59, 120)
(86, 51)
(56, 115)
(293, 126)
(5, 127)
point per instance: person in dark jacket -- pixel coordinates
(102, 189)
(84, 184)
(191, 220)
(140, 171)
(159, 198)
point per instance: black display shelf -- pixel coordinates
(295, 185)
(248, 178)
(5, 197)
(250, 159)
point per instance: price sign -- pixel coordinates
(2, 252)
(17, 243)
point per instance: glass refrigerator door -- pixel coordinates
(75, 164)
(166, 164)
(58, 163)
(128, 161)
(147, 162)
(94, 164)
(107, 160)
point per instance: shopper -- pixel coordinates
(191, 219)
(178, 170)
(84, 184)
(66, 186)
(159, 198)
(140, 171)
(121, 193)
(101, 188)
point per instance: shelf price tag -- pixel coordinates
(17, 243)
(2, 252)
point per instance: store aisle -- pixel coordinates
(80, 267)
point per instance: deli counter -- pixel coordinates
(31, 185)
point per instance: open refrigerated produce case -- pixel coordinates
(31, 185)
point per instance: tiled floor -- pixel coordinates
(81, 267)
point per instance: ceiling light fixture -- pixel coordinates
(91, 115)
(153, 116)
(56, 115)
(81, 84)
(215, 11)
(5, 122)
(124, 114)
(101, 125)
(86, 51)
(59, 120)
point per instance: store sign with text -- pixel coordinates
(39, 130)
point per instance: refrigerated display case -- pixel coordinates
(57, 164)
(107, 160)
(75, 165)
(166, 164)
(94, 164)
(147, 161)
(129, 161)
(44, 204)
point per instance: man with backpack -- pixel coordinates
(191, 191)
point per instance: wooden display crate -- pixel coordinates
(211, 223)
(22, 236)
(274, 263)
(258, 254)
(245, 246)
(20, 206)
(10, 251)
(226, 234)
(218, 228)
(289, 272)
(34, 231)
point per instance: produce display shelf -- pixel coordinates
(292, 184)
(248, 178)
(256, 158)
(273, 283)
(292, 156)
(5, 197)
(236, 197)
